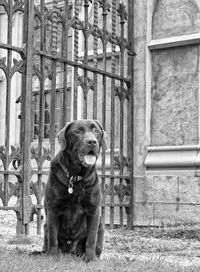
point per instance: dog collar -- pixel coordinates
(70, 179)
(71, 183)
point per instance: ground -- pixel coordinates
(140, 249)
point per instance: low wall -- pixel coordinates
(166, 200)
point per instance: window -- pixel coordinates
(47, 114)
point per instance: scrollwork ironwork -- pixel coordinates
(7, 157)
(17, 67)
(4, 3)
(86, 84)
(18, 6)
(121, 11)
(77, 24)
(40, 158)
(3, 66)
(104, 4)
(12, 190)
(122, 93)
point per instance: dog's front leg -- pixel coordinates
(52, 232)
(92, 229)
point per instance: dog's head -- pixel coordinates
(82, 139)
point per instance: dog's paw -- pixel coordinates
(90, 256)
(98, 250)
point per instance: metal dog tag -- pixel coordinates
(70, 185)
(70, 190)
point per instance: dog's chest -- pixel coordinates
(73, 206)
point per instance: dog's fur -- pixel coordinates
(73, 223)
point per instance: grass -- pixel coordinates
(18, 261)
(142, 249)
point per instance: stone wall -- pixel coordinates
(175, 96)
(175, 17)
(166, 109)
(140, 40)
(167, 200)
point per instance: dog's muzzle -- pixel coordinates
(88, 156)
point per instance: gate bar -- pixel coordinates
(130, 127)
(77, 65)
(64, 55)
(95, 61)
(26, 115)
(13, 48)
(75, 70)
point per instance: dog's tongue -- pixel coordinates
(90, 159)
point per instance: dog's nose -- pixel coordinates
(91, 142)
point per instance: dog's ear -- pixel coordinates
(61, 137)
(105, 139)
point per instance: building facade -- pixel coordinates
(166, 94)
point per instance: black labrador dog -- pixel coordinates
(72, 195)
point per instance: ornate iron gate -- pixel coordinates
(76, 61)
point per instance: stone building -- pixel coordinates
(166, 87)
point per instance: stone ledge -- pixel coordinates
(173, 160)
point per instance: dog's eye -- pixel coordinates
(78, 131)
(95, 130)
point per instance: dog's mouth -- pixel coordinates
(88, 159)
